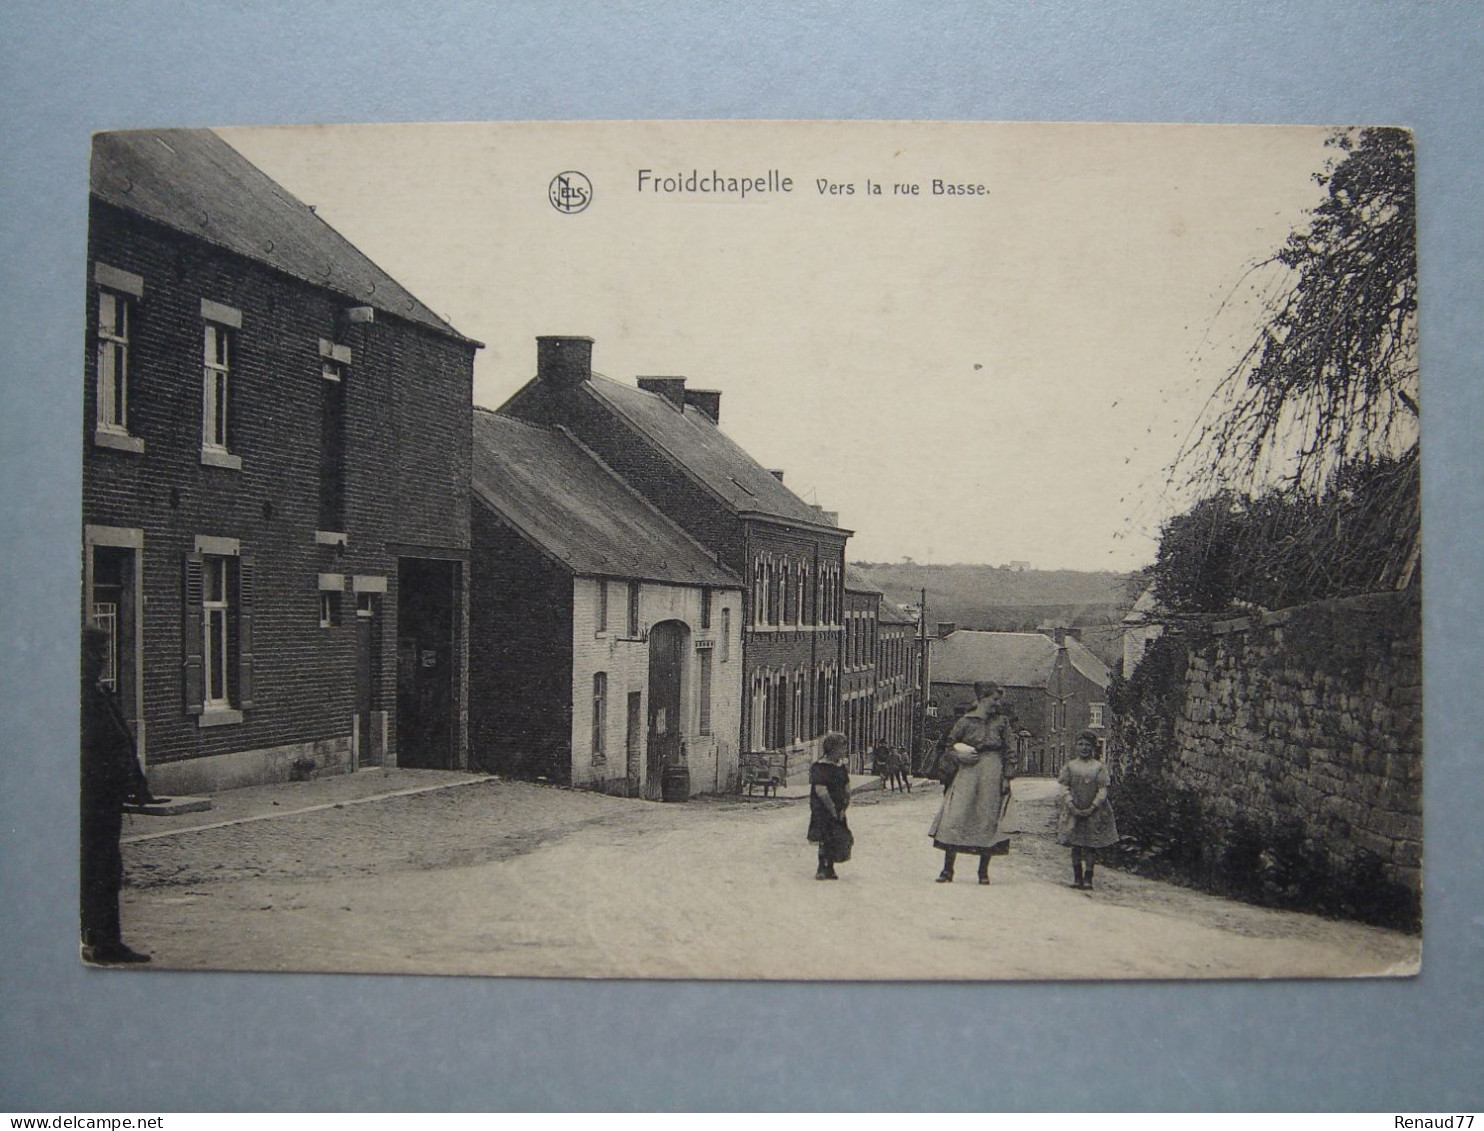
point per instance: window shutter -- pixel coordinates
(190, 634)
(245, 565)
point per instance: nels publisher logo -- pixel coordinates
(570, 192)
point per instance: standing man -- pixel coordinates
(110, 776)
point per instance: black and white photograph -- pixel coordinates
(830, 551)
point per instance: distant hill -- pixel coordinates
(999, 599)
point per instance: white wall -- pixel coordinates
(712, 759)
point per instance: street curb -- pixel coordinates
(307, 809)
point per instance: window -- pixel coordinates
(726, 635)
(119, 293)
(113, 361)
(214, 605)
(602, 618)
(329, 610)
(1095, 715)
(634, 610)
(217, 629)
(216, 378)
(107, 597)
(705, 607)
(600, 716)
(703, 723)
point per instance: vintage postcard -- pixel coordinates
(753, 550)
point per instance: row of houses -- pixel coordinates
(1055, 687)
(312, 553)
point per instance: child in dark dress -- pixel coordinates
(829, 796)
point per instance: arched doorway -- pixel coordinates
(666, 678)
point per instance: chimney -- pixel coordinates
(776, 473)
(829, 518)
(671, 388)
(946, 628)
(708, 401)
(563, 360)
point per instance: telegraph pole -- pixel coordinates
(922, 679)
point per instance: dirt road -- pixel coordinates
(516, 879)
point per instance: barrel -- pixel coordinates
(675, 783)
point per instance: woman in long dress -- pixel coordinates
(1085, 820)
(983, 746)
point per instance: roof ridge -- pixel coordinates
(496, 414)
(197, 150)
(313, 211)
(624, 483)
(693, 421)
(675, 570)
(505, 516)
(671, 456)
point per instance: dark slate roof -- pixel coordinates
(695, 442)
(1087, 662)
(569, 504)
(1011, 659)
(857, 582)
(194, 182)
(1147, 609)
(893, 613)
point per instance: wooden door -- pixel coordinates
(666, 657)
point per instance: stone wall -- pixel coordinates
(1299, 748)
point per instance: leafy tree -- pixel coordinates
(1309, 459)
(1331, 377)
(1287, 546)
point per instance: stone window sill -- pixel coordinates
(214, 458)
(119, 441)
(330, 538)
(218, 717)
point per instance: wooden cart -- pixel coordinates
(763, 770)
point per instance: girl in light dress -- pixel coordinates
(1085, 820)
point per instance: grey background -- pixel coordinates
(79, 1040)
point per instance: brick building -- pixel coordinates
(858, 667)
(1054, 687)
(605, 643)
(664, 441)
(879, 673)
(896, 676)
(275, 471)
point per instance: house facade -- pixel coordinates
(1142, 626)
(665, 442)
(275, 517)
(879, 671)
(858, 667)
(606, 644)
(896, 676)
(1054, 688)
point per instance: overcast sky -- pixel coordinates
(979, 378)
